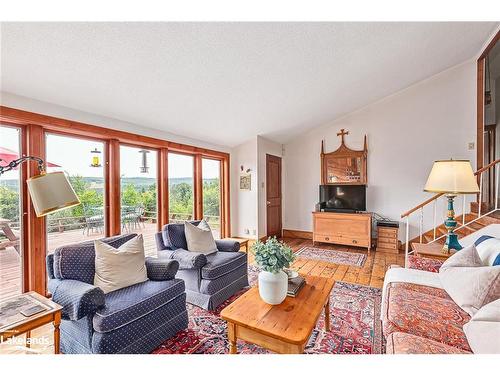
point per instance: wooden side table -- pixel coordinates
(13, 323)
(431, 250)
(242, 241)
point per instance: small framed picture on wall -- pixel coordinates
(246, 181)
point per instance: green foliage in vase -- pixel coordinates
(273, 255)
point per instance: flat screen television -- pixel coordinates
(346, 198)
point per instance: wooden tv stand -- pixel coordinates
(352, 229)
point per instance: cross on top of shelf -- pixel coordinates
(342, 134)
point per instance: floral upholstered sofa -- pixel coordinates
(418, 316)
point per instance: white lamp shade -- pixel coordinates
(452, 177)
(51, 192)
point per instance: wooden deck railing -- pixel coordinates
(62, 224)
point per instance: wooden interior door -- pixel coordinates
(273, 195)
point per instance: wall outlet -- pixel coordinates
(471, 145)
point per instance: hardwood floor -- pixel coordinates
(371, 273)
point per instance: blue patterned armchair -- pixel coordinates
(136, 319)
(210, 279)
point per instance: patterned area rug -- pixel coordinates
(332, 256)
(355, 326)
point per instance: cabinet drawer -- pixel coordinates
(341, 240)
(387, 240)
(387, 233)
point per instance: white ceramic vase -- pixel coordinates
(273, 287)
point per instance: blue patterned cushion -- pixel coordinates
(146, 333)
(77, 261)
(213, 286)
(161, 269)
(78, 299)
(221, 263)
(124, 306)
(174, 236)
(188, 260)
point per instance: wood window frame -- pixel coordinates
(35, 126)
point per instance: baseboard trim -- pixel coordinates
(302, 234)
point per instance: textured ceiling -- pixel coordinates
(226, 82)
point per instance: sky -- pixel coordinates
(74, 155)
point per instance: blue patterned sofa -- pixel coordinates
(210, 279)
(136, 319)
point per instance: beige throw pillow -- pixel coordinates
(470, 284)
(199, 238)
(119, 268)
(483, 330)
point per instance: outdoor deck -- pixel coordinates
(10, 261)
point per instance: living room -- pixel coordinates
(203, 187)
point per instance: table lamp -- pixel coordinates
(451, 177)
(50, 192)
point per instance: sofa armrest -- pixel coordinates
(49, 265)
(77, 298)
(424, 264)
(188, 260)
(227, 245)
(161, 269)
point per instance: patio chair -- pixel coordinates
(94, 219)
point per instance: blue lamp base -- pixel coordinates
(450, 223)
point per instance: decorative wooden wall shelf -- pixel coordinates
(344, 166)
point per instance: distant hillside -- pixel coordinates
(98, 182)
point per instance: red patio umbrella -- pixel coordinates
(8, 155)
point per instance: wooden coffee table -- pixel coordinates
(283, 328)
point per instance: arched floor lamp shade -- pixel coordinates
(50, 192)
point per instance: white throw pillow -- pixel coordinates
(483, 330)
(488, 249)
(119, 268)
(199, 238)
(470, 284)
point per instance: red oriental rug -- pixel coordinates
(355, 326)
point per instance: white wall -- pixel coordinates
(433, 119)
(249, 207)
(244, 202)
(264, 147)
(49, 109)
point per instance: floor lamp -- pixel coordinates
(50, 192)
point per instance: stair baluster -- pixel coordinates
(469, 226)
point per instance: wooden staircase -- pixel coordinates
(471, 227)
(480, 215)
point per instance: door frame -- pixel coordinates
(480, 101)
(279, 159)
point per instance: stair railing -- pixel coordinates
(419, 210)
